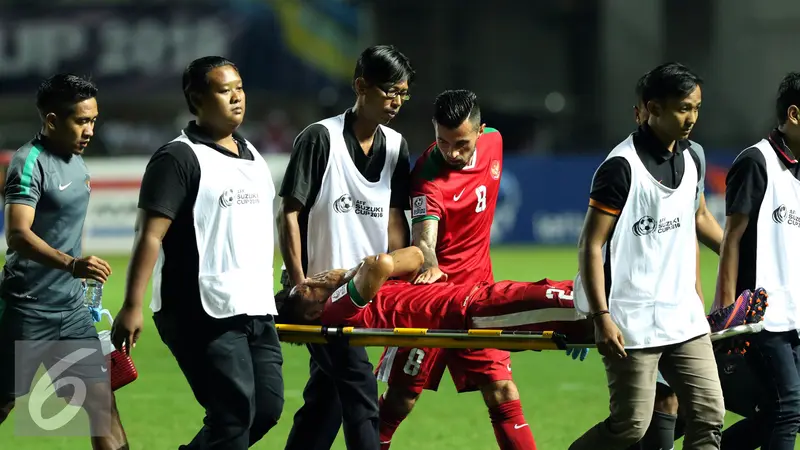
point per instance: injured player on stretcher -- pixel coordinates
(375, 294)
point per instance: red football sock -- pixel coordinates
(389, 421)
(510, 427)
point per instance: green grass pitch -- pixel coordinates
(561, 397)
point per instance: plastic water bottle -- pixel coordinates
(93, 294)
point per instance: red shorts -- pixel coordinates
(533, 304)
(416, 369)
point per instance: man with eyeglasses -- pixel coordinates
(344, 197)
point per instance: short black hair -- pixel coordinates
(287, 313)
(452, 108)
(285, 303)
(788, 95)
(195, 76)
(670, 80)
(639, 91)
(383, 65)
(61, 92)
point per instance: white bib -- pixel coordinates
(233, 221)
(778, 242)
(652, 253)
(350, 216)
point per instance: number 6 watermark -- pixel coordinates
(44, 390)
(76, 378)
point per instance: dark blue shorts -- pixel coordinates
(66, 343)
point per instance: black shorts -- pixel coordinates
(66, 343)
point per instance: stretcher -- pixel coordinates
(473, 339)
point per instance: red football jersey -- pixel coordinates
(463, 201)
(400, 304)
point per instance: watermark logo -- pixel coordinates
(61, 378)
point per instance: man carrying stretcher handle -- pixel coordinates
(365, 297)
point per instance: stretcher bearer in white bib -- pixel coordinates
(665, 426)
(205, 233)
(638, 272)
(761, 249)
(344, 197)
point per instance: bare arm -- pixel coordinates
(289, 238)
(376, 269)
(596, 231)
(735, 225)
(697, 285)
(149, 232)
(425, 234)
(20, 238)
(398, 229)
(331, 279)
(405, 262)
(708, 230)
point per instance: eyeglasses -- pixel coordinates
(391, 93)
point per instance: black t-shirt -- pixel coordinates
(169, 187)
(309, 160)
(612, 182)
(746, 185)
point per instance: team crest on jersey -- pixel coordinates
(419, 206)
(88, 183)
(495, 169)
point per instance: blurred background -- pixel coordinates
(556, 77)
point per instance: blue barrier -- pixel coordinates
(543, 199)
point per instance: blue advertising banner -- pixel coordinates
(543, 200)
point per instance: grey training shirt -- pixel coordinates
(58, 188)
(701, 179)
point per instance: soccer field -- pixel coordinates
(561, 397)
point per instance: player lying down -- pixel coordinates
(366, 297)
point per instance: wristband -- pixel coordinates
(599, 313)
(72, 266)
